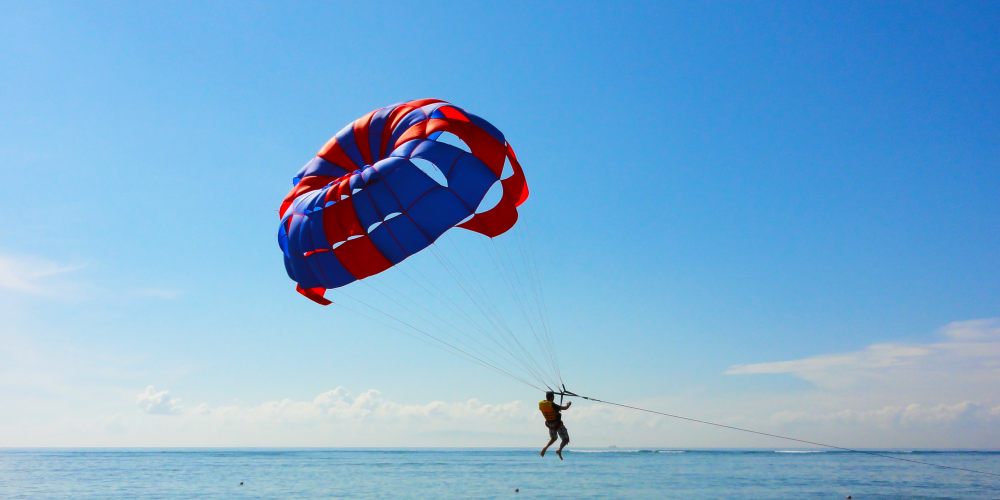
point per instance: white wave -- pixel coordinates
(604, 451)
(626, 451)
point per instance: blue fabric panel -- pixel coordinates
(431, 108)
(375, 128)
(408, 183)
(407, 234)
(377, 122)
(404, 150)
(304, 202)
(309, 230)
(485, 125)
(312, 228)
(442, 155)
(374, 141)
(386, 243)
(354, 154)
(347, 142)
(412, 118)
(383, 198)
(315, 203)
(356, 182)
(437, 212)
(318, 203)
(435, 135)
(288, 267)
(365, 209)
(319, 166)
(303, 274)
(437, 114)
(388, 165)
(283, 238)
(335, 273)
(312, 238)
(368, 173)
(302, 233)
(346, 135)
(470, 179)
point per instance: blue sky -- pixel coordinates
(717, 189)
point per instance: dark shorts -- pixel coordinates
(561, 431)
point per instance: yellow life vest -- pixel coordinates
(548, 409)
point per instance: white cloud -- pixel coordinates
(970, 354)
(340, 418)
(976, 329)
(339, 405)
(30, 274)
(894, 416)
(937, 394)
(158, 403)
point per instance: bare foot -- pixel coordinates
(543, 452)
(559, 452)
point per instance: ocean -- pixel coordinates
(94, 473)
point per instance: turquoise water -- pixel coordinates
(486, 473)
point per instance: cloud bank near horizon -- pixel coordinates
(937, 394)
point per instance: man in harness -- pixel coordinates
(553, 420)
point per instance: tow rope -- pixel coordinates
(852, 450)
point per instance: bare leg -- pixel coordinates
(547, 446)
(561, 446)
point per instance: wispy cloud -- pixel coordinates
(970, 349)
(31, 274)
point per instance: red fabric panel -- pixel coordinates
(361, 258)
(341, 222)
(314, 294)
(486, 148)
(418, 131)
(516, 166)
(483, 145)
(315, 251)
(390, 123)
(333, 153)
(397, 116)
(361, 137)
(503, 216)
(311, 183)
(419, 103)
(451, 112)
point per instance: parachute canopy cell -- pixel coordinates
(364, 204)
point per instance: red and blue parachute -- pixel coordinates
(362, 205)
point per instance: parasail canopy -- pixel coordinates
(385, 189)
(362, 205)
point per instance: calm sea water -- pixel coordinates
(486, 473)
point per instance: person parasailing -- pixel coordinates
(553, 420)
